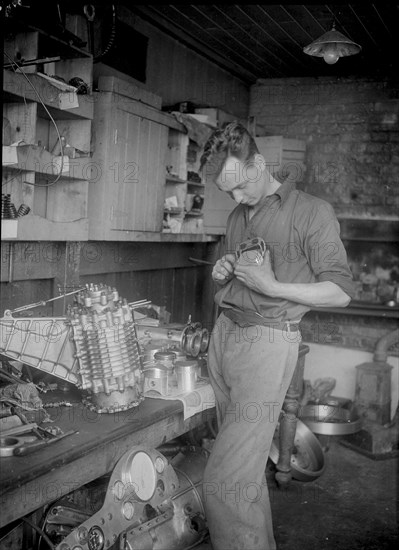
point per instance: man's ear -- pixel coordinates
(260, 161)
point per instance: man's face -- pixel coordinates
(243, 181)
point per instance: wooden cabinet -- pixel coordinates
(53, 187)
(127, 192)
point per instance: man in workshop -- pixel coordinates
(254, 345)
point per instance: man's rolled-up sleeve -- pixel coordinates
(325, 251)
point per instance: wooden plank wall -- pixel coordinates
(177, 73)
(161, 272)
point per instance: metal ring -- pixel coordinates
(204, 340)
(8, 444)
(330, 420)
(308, 462)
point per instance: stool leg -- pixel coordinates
(288, 422)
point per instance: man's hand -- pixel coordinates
(256, 273)
(223, 270)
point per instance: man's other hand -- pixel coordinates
(223, 270)
(256, 272)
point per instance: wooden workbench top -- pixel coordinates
(28, 482)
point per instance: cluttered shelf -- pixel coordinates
(62, 103)
(34, 158)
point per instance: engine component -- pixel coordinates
(330, 420)
(107, 348)
(250, 248)
(191, 338)
(41, 342)
(150, 504)
(94, 347)
(307, 460)
(156, 378)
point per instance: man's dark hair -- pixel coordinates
(232, 140)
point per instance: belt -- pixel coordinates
(250, 319)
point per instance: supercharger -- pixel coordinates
(151, 503)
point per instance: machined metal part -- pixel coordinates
(9, 444)
(307, 460)
(250, 249)
(42, 342)
(95, 347)
(150, 504)
(330, 420)
(191, 338)
(156, 378)
(107, 349)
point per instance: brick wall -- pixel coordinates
(351, 128)
(347, 330)
(352, 133)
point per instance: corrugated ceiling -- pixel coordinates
(267, 40)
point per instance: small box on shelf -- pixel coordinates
(9, 229)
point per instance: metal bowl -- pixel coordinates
(330, 420)
(307, 460)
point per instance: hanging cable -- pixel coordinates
(52, 120)
(111, 39)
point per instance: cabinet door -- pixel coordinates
(138, 167)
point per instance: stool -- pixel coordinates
(289, 419)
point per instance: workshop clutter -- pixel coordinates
(149, 503)
(8, 209)
(172, 356)
(98, 346)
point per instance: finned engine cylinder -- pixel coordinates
(106, 348)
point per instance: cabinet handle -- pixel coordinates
(116, 136)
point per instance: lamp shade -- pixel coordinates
(331, 46)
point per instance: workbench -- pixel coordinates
(29, 482)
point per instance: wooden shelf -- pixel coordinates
(16, 90)
(36, 228)
(156, 237)
(194, 214)
(196, 184)
(176, 180)
(174, 211)
(32, 158)
(58, 46)
(368, 310)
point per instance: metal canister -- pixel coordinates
(156, 378)
(150, 350)
(187, 375)
(179, 353)
(166, 358)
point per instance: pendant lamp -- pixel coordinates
(331, 46)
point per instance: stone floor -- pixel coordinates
(352, 506)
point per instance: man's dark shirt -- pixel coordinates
(302, 234)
